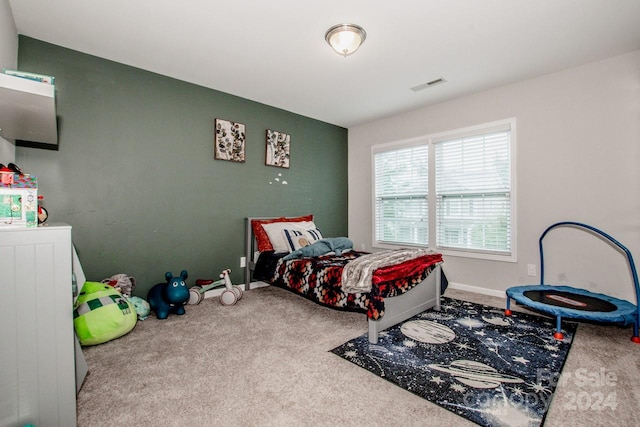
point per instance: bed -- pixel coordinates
(397, 292)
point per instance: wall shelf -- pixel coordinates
(27, 110)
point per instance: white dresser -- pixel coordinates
(37, 363)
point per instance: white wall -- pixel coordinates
(578, 158)
(8, 59)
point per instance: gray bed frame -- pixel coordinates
(422, 297)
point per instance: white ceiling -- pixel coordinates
(274, 51)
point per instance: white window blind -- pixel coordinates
(401, 195)
(473, 193)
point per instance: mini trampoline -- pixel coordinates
(575, 303)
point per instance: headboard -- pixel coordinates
(251, 246)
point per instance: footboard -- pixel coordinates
(420, 298)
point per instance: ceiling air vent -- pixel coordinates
(428, 84)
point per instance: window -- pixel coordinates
(464, 178)
(401, 199)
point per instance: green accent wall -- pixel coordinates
(135, 174)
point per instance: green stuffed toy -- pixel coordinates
(101, 314)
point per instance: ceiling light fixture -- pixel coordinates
(345, 39)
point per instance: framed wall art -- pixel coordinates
(229, 141)
(278, 146)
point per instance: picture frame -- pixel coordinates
(278, 149)
(229, 141)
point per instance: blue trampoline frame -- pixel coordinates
(625, 314)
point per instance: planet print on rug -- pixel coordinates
(427, 331)
(475, 374)
(471, 360)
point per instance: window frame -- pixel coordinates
(430, 141)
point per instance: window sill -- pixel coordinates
(450, 252)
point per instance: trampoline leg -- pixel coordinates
(558, 333)
(507, 311)
(635, 338)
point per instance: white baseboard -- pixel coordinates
(213, 293)
(478, 290)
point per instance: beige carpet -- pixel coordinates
(266, 362)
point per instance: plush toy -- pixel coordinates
(101, 314)
(42, 212)
(142, 307)
(122, 283)
(170, 297)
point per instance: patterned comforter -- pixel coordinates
(320, 280)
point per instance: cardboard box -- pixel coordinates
(42, 78)
(22, 181)
(19, 202)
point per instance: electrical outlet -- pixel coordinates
(531, 269)
(243, 261)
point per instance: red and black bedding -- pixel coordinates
(320, 278)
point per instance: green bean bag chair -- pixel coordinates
(101, 314)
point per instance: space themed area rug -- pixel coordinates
(472, 360)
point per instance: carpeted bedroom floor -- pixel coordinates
(266, 362)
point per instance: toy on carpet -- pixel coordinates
(196, 294)
(576, 303)
(122, 283)
(101, 314)
(169, 297)
(231, 295)
(142, 307)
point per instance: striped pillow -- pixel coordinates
(296, 238)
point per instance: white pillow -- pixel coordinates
(296, 239)
(275, 232)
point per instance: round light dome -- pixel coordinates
(345, 39)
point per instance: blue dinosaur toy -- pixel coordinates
(170, 297)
